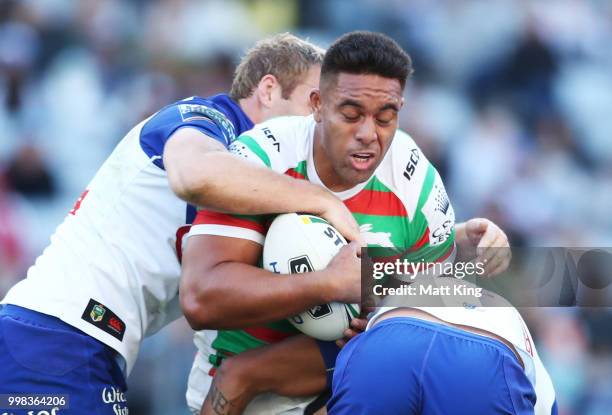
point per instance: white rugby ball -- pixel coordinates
(299, 243)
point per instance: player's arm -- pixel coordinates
(221, 288)
(203, 173)
(293, 367)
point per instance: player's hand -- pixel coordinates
(492, 245)
(344, 274)
(336, 213)
(357, 326)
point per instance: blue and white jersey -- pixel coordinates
(112, 268)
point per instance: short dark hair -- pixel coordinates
(363, 52)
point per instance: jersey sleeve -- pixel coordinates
(252, 228)
(419, 186)
(190, 113)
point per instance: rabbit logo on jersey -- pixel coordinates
(382, 239)
(116, 398)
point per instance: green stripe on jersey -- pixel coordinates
(255, 148)
(238, 341)
(377, 186)
(301, 168)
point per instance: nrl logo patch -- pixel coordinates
(97, 313)
(103, 318)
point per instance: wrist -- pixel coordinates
(315, 199)
(326, 288)
(235, 373)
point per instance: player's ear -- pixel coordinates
(315, 104)
(267, 89)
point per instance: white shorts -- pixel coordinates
(265, 404)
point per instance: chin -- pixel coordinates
(359, 177)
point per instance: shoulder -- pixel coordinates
(279, 143)
(287, 129)
(405, 170)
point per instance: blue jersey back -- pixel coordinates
(218, 117)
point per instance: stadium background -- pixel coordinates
(511, 99)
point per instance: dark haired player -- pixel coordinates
(352, 147)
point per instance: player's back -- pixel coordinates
(111, 269)
(489, 315)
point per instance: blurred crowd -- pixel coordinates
(511, 100)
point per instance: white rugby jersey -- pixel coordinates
(112, 269)
(495, 315)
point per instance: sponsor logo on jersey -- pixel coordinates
(443, 232)
(443, 203)
(382, 239)
(439, 214)
(103, 318)
(193, 112)
(270, 136)
(300, 265)
(115, 397)
(412, 163)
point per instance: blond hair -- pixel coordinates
(285, 56)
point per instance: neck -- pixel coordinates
(323, 165)
(251, 109)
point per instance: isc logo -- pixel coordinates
(300, 265)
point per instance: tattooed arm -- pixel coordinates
(292, 367)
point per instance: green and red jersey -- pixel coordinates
(403, 207)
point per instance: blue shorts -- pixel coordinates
(409, 366)
(40, 354)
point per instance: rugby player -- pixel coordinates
(110, 276)
(454, 358)
(350, 146)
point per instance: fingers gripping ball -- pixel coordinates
(299, 243)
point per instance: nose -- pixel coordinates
(366, 133)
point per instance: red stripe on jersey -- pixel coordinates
(421, 242)
(267, 334)
(295, 174)
(374, 202)
(207, 217)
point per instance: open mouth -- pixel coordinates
(362, 160)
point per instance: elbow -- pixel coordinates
(193, 312)
(199, 309)
(185, 186)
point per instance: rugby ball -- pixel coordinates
(299, 243)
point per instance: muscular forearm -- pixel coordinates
(201, 172)
(238, 295)
(233, 185)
